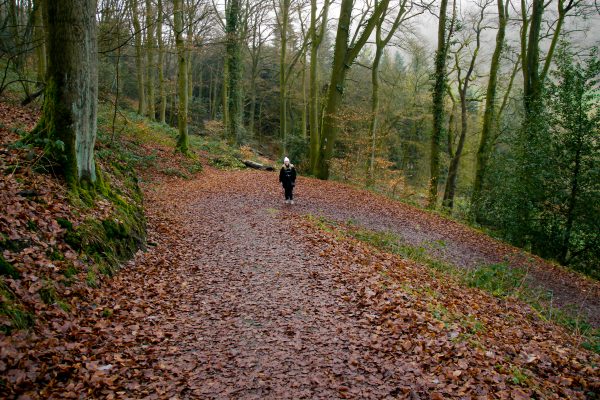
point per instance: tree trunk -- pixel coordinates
(182, 89)
(343, 57)
(139, 57)
(455, 161)
(234, 72)
(380, 43)
(314, 109)
(489, 115)
(40, 42)
(463, 86)
(284, 9)
(150, 63)
(252, 111)
(225, 94)
(215, 85)
(71, 97)
(374, 112)
(304, 103)
(532, 89)
(438, 105)
(563, 257)
(190, 55)
(161, 63)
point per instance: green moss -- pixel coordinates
(227, 162)
(7, 269)
(112, 240)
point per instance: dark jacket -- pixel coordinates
(287, 176)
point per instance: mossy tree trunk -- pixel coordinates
(316, 34)
(71, 97)
(40, 42)
(463, 87)
(150, 59)
(381, 42)
(343, 57)
(139, 57)
(439, 88)
(182, 76)
(489, 115)
(161, 62)
(234, 72)
(283, 22)
(225, 94)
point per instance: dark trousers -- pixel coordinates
(289, 195)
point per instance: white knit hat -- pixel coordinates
(286, 160)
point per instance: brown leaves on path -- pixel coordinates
(242, 297)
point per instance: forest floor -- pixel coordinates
(243, 296)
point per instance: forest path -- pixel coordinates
(241, 297)
(441, 238)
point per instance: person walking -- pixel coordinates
(287, 177)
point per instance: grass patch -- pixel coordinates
(7, 269)
(13, 315)
(91, 279)
(500, 280)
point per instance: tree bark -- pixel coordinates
(374, 109)
(225, 94)
(182, 89)
(70, 103)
